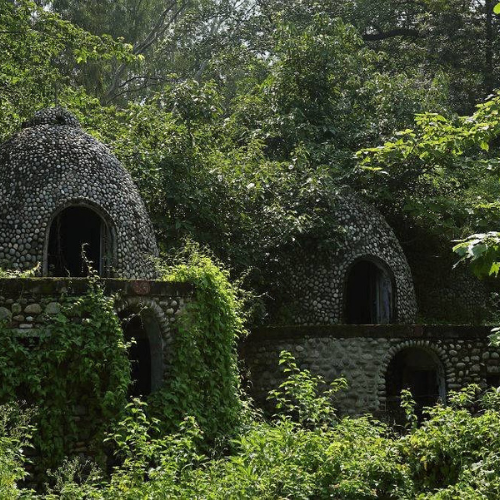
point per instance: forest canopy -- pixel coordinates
(241, 121)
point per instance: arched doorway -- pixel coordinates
(369, 294)
(145, 353)
(421, 372)
(74, 232)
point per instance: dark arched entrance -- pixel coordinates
(369, 294)
(421, 372)
(75, 231)
(145, 353)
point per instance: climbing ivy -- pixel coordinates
(204, 380)
(75, 371)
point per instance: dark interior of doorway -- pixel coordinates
(418, 371)
(368, 295)
(74, 230)
(139, 355)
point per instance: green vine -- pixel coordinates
(75, 371)
(74, 367)
(204, 381)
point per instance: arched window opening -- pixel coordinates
(75, 232)
(421, 372)
(369, 294)
(145, 353)
(139, 355)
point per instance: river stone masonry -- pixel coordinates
(362, 355)
(53, 164)
(29, 303)
(315, 282)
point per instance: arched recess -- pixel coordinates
(419, 366)
(75, 226)
(369, 292)
(144, 320)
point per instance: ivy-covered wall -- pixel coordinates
(62, 349)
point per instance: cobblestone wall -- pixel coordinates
(362, 354)
(313, 288)
(52, 164)
(27, 303)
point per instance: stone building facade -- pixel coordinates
(68, 206)
(27, 304)
(366, 279)
(377, 361)
(347, 311)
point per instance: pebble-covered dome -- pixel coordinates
(365, 280)
(60, 188)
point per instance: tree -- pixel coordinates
(36, 46)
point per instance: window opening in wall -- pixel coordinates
(73, 229)
(419, 371)
(493, 380)
(369, 294)
(139, 355)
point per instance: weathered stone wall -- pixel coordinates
(27, 303)
(362, 355)
(53, 164)
(313, 287)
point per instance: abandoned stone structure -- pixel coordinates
(366, 280)
(350, 310)
(149, 309)
(377, 361)
(60, 188)
(62, 191)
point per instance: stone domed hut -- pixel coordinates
(61, 189)
(365, 280)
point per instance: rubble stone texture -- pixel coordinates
(52, 164)
(315, 283)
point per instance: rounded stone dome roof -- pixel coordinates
(52, 167)
(365, 279)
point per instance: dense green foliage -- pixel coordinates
(70, 366)
(442, 174)
(203, 381)
(240, 122)
(452, 454)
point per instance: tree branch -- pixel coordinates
(371, 37)
(139, 48)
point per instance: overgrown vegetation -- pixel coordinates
(203, 382)
(240, 121)
(75, 369)
(452, 454)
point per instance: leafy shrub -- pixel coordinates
(15, 434)
(70, 366)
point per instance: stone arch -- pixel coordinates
(425, 345)
(156, 327)
(372, 278)
(106, 253)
